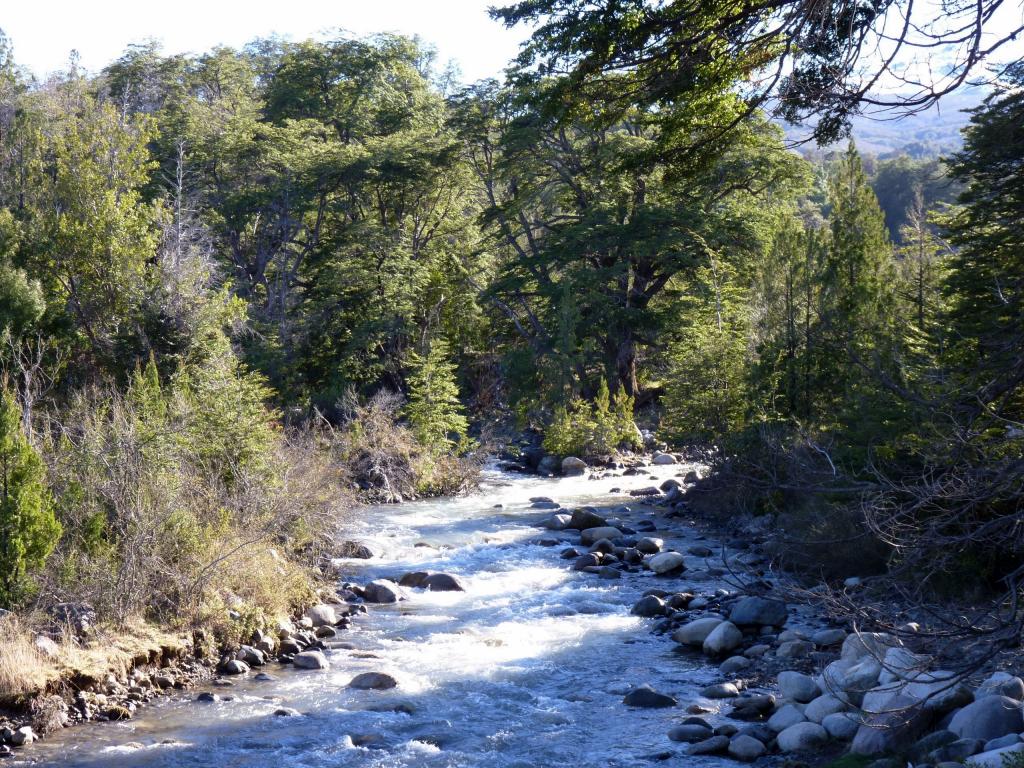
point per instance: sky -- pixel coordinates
(44, 32)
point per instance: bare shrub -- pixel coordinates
(24, 670)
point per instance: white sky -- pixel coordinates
(44, 32)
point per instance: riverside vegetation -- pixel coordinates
(242, 291)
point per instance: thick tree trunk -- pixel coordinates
(625, 365)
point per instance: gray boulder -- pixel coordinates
(798, 686)
(988, 718)
(724, 638)
(841, 725)
(894, 730)
(996, 758)
(711, 746)
(583, 518)
(592, 535)
(666, 562)
(720, 691)
(649, 545)
(558, 522)
(311, 660)
(647, 698)
(663, 459)
(443, 582)
(373, 681)
(746, 748)
(758, 612)
(802, 737)
(690, 733)
(785, 717)
(823, 706)
(382, 591)
(1002, 684)
(649, 606)
(874, 644)
(696, 632)
(322, 615)
(573, 466)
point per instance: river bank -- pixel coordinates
(546, 656)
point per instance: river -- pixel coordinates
(526, 668)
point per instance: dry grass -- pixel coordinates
(24, 670)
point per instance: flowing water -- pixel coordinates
(528, 667)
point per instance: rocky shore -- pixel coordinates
(787, 682)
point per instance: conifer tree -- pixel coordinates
(434, 409)
(28, 528)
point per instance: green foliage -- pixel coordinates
(434, 409)
(593, 429)
(28, 528)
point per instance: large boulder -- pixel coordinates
(650, 545)
(573, 466)
(663, 459)
(1002, 684)
(696, 632)
(841, 725)
(995, 758)
(666, 562)
(322, 615)
(592, 535)
(647, 698)
(649, 606)
(797, 686)
(988, 718)
(375, 681)
(823, 706)
(874, 644)
(311, 660)
(746, 748)
(382, 591)
(558, 522)
(758, 612)
(802, 737)
(443, 582)
(584, 518)
(893, 730)
(724, 638)
(786, 717)
(414, 579)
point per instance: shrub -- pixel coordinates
(28, 529)
(599, 429)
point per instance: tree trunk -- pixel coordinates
(625, 365)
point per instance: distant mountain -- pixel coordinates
(926, 134)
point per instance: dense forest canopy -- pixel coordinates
(233, 283)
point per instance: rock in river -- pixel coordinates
(696, 632)
(311, 660)
(377, 681)
(667, 562)
(573, 466)
(591, 535)
(443, 582)
(648, 698)
(382, 591)
(758, 612)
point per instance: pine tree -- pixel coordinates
(28, 528)
(434, 409)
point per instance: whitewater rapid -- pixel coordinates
(525, 668)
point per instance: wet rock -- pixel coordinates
(545, 505)
(413, 579)
(286, 712)
(23, 736)
(382, 591)
(311, 660)
(587, 561)
(573, 466)
(802, 737)
(712, 746)
(798, 686)
(723, 639)
(690, 733)
(758, 612)
(233, 667)
(696, 632)
(609, 572)
(443, 582)
(735, 664)
(746, 748)
(649, 607)
(118, 712)
(558, 522)
(720, 691)
(648, 491)
(539, 499)
(667, 563)
(699, 550)
(377, 681)
(207, 697)
(988, 718)
(584, 518)
(647, 698)
(592, 535)
(649, 545)
(354, 549)
(752, 706)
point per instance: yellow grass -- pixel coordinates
(25, 671)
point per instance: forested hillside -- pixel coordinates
(243, 289)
